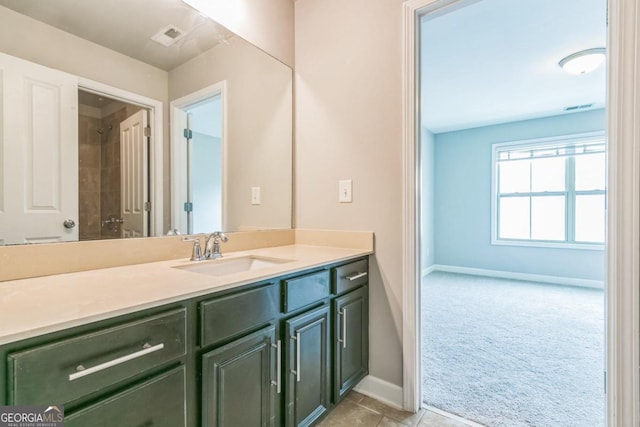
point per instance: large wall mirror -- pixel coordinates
(124, 118)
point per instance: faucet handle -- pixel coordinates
(218, 236)
(196, 254)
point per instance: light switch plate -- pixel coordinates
(345, 188)
(255, 196)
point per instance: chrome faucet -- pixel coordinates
(212, 247)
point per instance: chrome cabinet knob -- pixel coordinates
(69, 223)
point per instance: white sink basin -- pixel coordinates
(222, 267)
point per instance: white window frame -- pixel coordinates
(564, 139)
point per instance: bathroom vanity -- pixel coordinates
(278, 346)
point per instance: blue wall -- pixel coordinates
(463, 201)
(427, 198)
(206, 177)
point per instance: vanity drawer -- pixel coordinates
(225, 317)
(159, 402)
(350, 276)
(305, 290)
(69, 369)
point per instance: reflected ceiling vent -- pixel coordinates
(578, 107)
(168, 35)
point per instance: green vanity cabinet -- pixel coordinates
(244, 380)
(69, 369)
(351, 354)
(307, 367)
(126, 371)
(302, 291)
(238, 313)
(238, 382)
(159, 402)
(350, 320)
(281, 352)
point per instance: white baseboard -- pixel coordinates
(428, 270)
(556, 280)
(381, 390)
(451, 416)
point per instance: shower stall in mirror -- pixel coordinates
(113, 164)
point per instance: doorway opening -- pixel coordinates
(513, 187)
(198, 159)
(113, 168)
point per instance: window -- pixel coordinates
(550, 192)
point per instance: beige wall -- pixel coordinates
(349, 126)
(259, 123)
(267, 24)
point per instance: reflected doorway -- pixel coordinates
(113, 168)
(204, 165)
(198, 161)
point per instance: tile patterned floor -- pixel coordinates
(359, 410)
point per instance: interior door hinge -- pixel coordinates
(147, 206)
(147, 131)
(188, 133)
(188, 206)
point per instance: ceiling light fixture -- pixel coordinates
(583, 62)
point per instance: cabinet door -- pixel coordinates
(307, 365)
(159, 402)
(350, 320)
(239, 384)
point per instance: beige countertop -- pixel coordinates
(36, 306)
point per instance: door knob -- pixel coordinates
(69, 223)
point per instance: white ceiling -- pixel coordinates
(496, 61)
(127, 26)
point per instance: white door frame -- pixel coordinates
(178, 156)
(156, 122)
(623, 217)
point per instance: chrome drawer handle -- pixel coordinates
(343, 314)
(277, 383)
(356, 276)
(296, 371)
(81, 371)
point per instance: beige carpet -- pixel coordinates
(510, 353)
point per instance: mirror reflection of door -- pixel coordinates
(134, 175)
(113, 168)
(203, 138)
(38, 125)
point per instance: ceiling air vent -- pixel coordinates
(578, 107)
(168, 35)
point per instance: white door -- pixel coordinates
(38, 153)
(134, 175)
